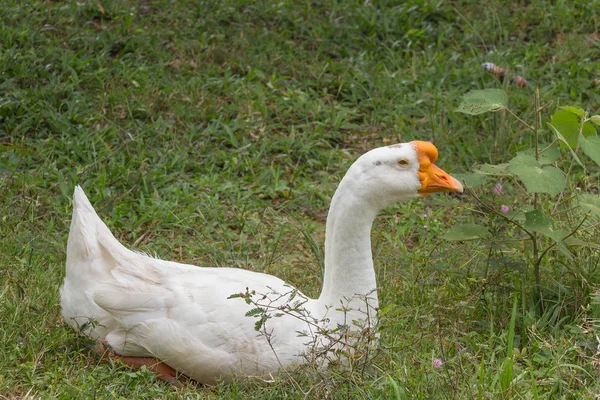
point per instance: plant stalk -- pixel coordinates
(536, 250)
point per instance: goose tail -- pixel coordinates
(83, 243)
(88, 265)
(90, 240)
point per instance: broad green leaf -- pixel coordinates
(568, 123)
(537, 178)
(590, 203)
(547, 157)
(466, 232)
(562, 139)
(595, 119)
(558, 235)
(588, 130)
(497, 170)
(482, 101)
(471, 180)
(591, 147)
(580, 112)
(537, 221)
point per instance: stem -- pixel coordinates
(590, 226)
(523, 190)
(550, 145)
(566, 237)
(490, 209)
(538, 121)
(536, 271)
(545, 106)
(531, 128)
(536, 250)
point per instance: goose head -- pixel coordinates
(387, 175)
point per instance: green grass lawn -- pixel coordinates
(215, 133)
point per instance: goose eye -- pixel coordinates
(403, 162)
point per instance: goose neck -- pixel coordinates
(349, 269)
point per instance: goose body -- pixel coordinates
(186, 316)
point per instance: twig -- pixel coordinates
(539, 260)
(472, 193)
(531, 128)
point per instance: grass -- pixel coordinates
(215, 132)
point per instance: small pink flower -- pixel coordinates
(498, 189)
(437, 363)
(504, 208)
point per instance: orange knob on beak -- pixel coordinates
(433, 178)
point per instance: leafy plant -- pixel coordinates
(543, 176)
(349, 344)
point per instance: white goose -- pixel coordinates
(147, 309)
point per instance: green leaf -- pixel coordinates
(591, 147)
(259, 324)
(537, 221)
(590, 203)
(292, 295)
(471, 180)
(558, 235)
(564, 251)
(595, 119)
(573, 241)
(549, 156)
(567, 123)
(537, 178)
(496, 170)
(255, 311)
(588, 130)
(516, 215)
(580, 112)
(465, 232)
(562, 139)
(482, 101)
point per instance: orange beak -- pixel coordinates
(433, 178)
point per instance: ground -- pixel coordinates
(215, 132)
